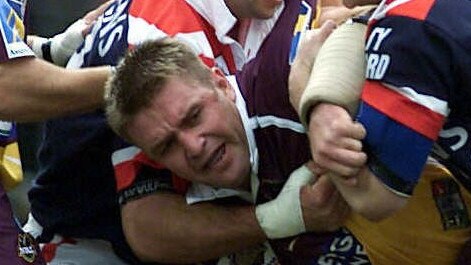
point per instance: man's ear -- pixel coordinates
(222, 83)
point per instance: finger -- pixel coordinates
(91, 16)
(338, 168)
(323, 191)
(337, 210)
(350, 144)
(312, 41)
(357, 131)
(339, 155)
(351, 181)
(326, 29)
(353, 3)
(315, 168)
(347, 157)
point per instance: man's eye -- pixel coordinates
(165, 148)
(195, 115)
(161, 149)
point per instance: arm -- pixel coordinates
(60, 48)
(335, 139)
(32, 89)
(162, 227)
(336, 148)
(182, 233)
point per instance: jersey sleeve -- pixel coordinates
(12, 30)
(405, 99)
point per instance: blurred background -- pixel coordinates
(46, 18)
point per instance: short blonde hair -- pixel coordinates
(141, 75)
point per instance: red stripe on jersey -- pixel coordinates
(172, 17)
(401, 109)
(416, 9)
(218, 48)
(207, 61)
(177, 16)
(180, 185)
(126, 173)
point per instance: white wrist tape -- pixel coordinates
(36, 45)
(283, 216)
(59, 48)
(338, 73)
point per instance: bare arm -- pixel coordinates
(369, 197)
(32, 89)
(164, 228)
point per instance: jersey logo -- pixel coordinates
(27, 247)
(107, 42)
(450, 204)
(344, 248)
(113, 28)
(13, 32)
(459, 133)
(377, 63)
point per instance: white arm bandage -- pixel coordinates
(339, 71)
(59, 48)
(283, 216)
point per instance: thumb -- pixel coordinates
(299, 178)
(323, 190)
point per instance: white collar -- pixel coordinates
(258, 31)
(383, 7)
(218, 15)
(242, 108)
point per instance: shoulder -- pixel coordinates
(445, 19)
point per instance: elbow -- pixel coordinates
(136, 241)
(143, 243)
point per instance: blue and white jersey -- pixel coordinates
(416, 100)
(108, 40)
(74, 191)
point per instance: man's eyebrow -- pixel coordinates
(157, 147)
(188, 115)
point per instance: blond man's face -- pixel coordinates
(196, 132)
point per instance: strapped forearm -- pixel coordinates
(339, 69)
(338, 72)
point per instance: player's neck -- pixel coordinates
(240, 30)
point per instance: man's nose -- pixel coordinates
(193, 143)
